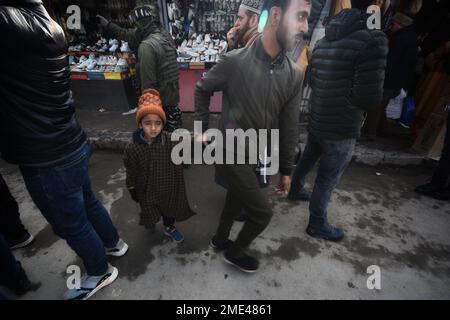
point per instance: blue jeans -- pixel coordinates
(64, 196)
(9, 266)
(334, 158)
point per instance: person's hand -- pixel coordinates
(103, 22)
(231, 37)
(284, 185)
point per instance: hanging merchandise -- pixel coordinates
(199, 27)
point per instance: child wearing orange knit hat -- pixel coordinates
(153, 180)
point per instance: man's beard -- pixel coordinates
(241, 33)
(285, 39)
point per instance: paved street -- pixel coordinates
(386, 224)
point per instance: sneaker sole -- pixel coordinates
(23, 244)
(105, 283)
(120, 253)
(319, 236)
(242, 269)
(170, 236)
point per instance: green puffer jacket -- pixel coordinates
(158, 67)
(258, 93)
(347, 74)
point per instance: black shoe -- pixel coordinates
(220, 246)
(245, 262)
(326, 232)
(21, 242)
(303, 195)
(427, 189)
(241, 218)
(441, 195)
(22, 285)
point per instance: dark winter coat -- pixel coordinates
(347, 74)
(158, 66)
(157, 181)
(38, 126)
(401, 59)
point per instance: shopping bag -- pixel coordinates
(409, 111)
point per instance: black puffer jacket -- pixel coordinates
(401, 59)
(37, 118)
(347, 74)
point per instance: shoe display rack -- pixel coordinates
(198, 27)
(106, 60)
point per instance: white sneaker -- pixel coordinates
(114, 47)
(124, 47)
(132, 111)
(119, 250)
(90, 285)
(91, 65)
(122, 63)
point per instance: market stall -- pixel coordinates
(103, 70)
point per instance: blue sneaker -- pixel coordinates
(174, 233)
(302, 195)
(326, 232)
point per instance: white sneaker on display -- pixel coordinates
(114, 47)
(124, 47)
(91, 65)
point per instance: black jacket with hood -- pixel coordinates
(401, 59)
(346, 76)
(38, 126)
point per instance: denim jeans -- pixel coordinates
(10, 224)
(9, 266)
(334, 158)
(64, 196)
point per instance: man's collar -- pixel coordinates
(264, 56)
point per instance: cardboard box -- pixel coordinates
(431, 139)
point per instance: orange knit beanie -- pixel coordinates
(150, 103)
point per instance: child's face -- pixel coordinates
(152, 126)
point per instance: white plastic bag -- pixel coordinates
(395, 106)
